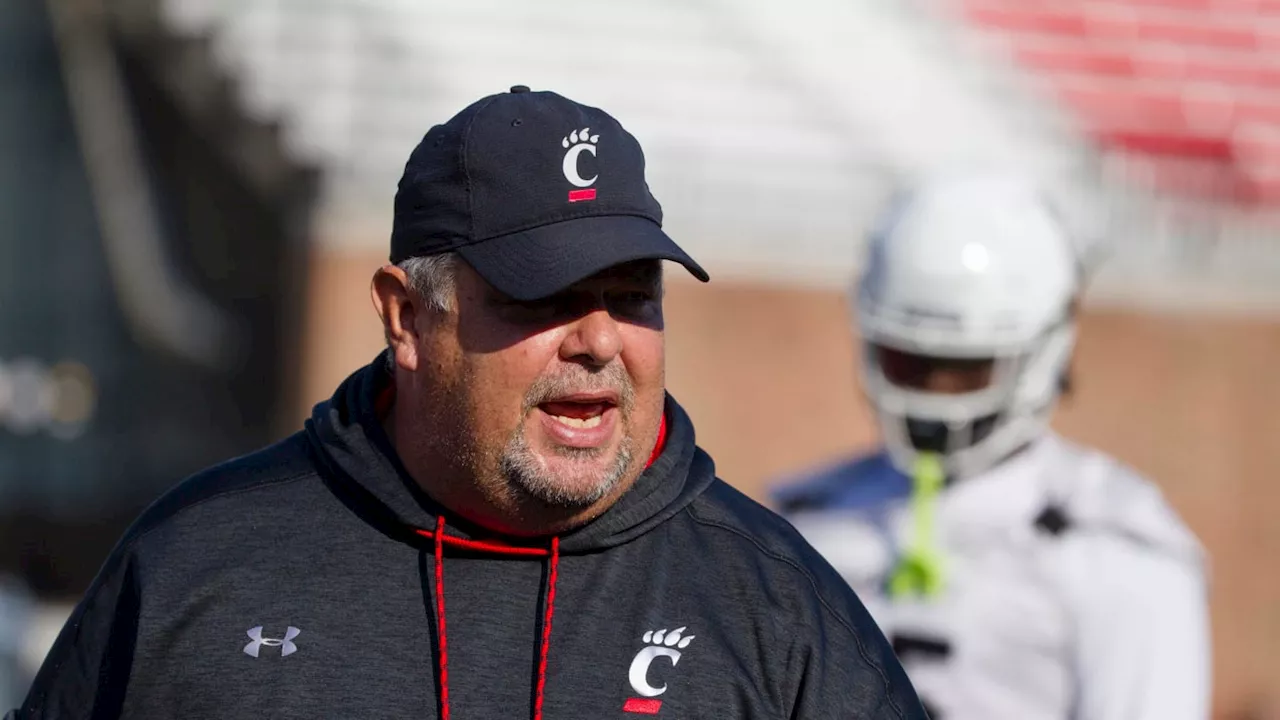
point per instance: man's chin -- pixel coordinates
(568, 477)
(577, 481)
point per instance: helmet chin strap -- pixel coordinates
(919, 571)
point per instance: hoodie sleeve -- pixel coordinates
(86, 673)
(850, 671)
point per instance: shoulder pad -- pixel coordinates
(849, 484)
(1103, 495)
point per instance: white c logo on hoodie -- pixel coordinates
(639, 675)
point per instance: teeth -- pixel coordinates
(580, 423)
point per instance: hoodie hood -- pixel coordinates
(347, 437)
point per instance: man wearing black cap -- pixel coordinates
(504, 515)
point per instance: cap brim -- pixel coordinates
(537, 263)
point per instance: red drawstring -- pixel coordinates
(546, 625)
(440, 624)
(661, 443)
(544, 646)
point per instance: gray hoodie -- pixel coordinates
(313, 579)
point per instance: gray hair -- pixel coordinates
(431, 278)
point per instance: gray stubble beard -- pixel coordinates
(522, 468)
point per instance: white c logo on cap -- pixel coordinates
(571, 165)
(580, 140)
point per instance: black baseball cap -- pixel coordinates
(533, 190)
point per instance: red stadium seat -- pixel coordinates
(1257, 146)
(1028, 19)
(1248, 71)
(1187, 109)
(1188, 89)
(1122, 21)
(1247, 7)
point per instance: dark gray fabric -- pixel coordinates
(318, 533)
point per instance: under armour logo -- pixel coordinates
(285, 644)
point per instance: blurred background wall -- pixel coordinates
(196, 193)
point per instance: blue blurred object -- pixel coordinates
(17, 611)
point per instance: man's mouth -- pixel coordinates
(577, 414)
(582, 411)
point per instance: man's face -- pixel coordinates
(559, 399)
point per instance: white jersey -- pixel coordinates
(1071, 589)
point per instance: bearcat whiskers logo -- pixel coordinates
(658, 644)
(576, 143)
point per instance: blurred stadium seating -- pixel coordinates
(1182, 93)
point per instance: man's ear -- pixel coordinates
(398, 309)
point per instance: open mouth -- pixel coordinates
(578, 413)
(586, 420)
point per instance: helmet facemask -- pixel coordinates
(973, 405)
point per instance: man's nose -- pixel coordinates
(595, 339)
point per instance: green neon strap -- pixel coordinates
(919, 570)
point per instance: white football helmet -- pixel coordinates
(974, 268)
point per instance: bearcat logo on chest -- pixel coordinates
(658, 644)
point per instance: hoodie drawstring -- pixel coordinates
(440, 623)
(547, 616)
(440, 539)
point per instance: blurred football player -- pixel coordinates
(1018, 575)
